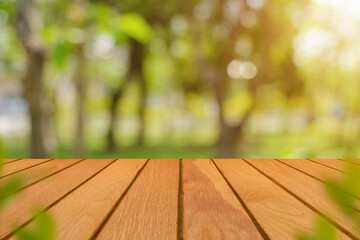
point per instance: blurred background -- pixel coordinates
(180, 78)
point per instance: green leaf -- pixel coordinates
(8, 6)
(136, 27)
(303, 236)
(323, 231)
(352, 173)
(61, 54)
(8, 190)
(43, 228)
(326, 231)
(344, 200)
(2, 156)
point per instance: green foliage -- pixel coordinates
(135, 26)
(2, 156)
(61, 53)
(43, 225)
(342, 193)
(43, 228)
(8, 6)
(324, 231)
(8, 190)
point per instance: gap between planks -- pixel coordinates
(252, 217)
(23, 169)
(13, 160)
(9, 235)
(52, 174)
(314, 209)
(324, 165)
(180, 230)
(316, 178)
(180, 213)
(117, 203)
(43, 178)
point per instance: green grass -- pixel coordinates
(308, 144)
(20, 150)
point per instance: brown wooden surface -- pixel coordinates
(149, 209)
(201, 179)
(6, 161)
(174, 198)
(38, 172)
(269, 203)
(18, 166)
(309, 190)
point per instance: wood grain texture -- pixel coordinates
(78, 215)
(211, 210)
(319, 170)
(34, 174)
(311, 168)
(47, 191)
(354, 161)
(334, 163)
(9, 160)
(271, 205)
(330, 163)
(140, 199)
(149, 209)
(310, 190)
(19, 165)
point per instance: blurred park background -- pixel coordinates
(180, 78)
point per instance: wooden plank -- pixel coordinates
(9, 160)
(330, 163)
(17, 166)
(321, 171)
(31, 175)
(278, 212)
(354, 161)
(48, 192)
(78, 215)
(149, 209)
(335, 163)
(309, 191)
(312, 169)
(211, 210)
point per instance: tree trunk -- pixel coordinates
(28, 25)
(136, 71)
(81, 87)
(142, 111)
(111, 143)
(227, 142)
(231, 136)
(115, 99)
(33, 87)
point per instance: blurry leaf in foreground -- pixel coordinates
(2, 157)
(61, 53)
(323, 231)
(135, 26)
(344, 200)
(8, 190)
(42, 228)
(352, 178)
(343, 191)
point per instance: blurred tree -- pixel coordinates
(81, 87)
(260, 26)
(80, 20)
(28, 25)
(136, 31)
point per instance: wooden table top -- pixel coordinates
(175, 198)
